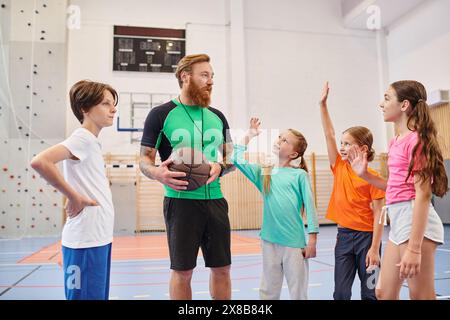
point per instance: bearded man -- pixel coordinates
(197, 218)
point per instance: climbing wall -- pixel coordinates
(32, 112)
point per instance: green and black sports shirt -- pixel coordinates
(173, 125)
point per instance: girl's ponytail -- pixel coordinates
(427, 160)
(303, 164)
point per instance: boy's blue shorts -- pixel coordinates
(87, 272)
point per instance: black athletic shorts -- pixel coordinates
(193, 224)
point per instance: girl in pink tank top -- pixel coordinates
(416, 172)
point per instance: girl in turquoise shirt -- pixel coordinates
(286, 193)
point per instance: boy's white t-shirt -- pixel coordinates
(93, 227)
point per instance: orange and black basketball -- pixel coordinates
(194, 164)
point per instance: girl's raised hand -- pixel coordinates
(326, 90)
(254, 130)
(358, 160)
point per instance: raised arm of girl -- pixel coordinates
(327, 125)
(251, 171)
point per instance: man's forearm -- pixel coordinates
(147, 169)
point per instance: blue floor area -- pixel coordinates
(148, 279)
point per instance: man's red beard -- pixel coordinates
(200, 96)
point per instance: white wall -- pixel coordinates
(419, 46)
(90, 49)
(291, 47)
(291, 56)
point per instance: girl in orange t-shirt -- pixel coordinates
(355, 206)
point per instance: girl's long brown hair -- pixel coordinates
(426, 155)
(300, 148)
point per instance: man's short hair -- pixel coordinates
(186, 63)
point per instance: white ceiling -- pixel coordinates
(355, 14)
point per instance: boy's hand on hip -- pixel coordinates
(74, 206)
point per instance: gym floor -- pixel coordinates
(30, 268)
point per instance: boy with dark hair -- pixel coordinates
(88, 232)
